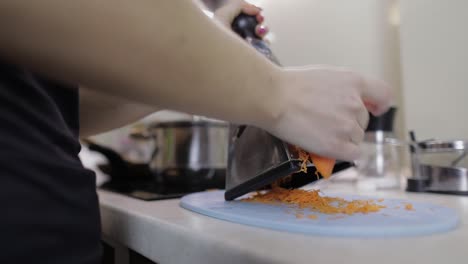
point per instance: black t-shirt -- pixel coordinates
(49, 209)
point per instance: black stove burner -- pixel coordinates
(138, 182)
(148, 191)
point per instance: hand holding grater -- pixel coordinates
(256, 158)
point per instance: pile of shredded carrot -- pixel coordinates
(312, 200)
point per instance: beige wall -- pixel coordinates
(434, 44)
(362, 35)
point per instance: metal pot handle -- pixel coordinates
(142, 133)
(116, 161)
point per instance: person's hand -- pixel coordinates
(325, 110)
(232, 8)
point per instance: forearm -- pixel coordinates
(165, 53)
(101, 112)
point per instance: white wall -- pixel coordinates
(362, 35)
(434, 45)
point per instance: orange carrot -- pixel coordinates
(323, 165)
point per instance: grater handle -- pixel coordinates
(244, 25)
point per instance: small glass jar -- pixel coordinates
(380, 164)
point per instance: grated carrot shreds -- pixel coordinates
(313, 217)
(304, 157)
(409, 207)
(313, 201)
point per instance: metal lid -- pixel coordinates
(443, 146)
(383, 122)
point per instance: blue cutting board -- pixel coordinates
(425, 219)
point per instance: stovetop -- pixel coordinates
(147, 191)
(140, 183)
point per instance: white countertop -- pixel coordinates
(166, 233)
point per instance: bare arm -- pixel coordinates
(101, 112)
(165, 53)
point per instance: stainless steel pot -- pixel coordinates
(187, 152)
(189, 144)
(441, 166)
(438, 166)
